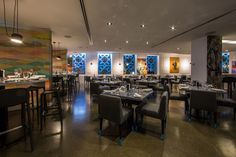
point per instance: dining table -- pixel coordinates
(134, 94)
(183, 88)
(108, 83)
(148, 82)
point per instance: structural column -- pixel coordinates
(206, 60)
(214, 59)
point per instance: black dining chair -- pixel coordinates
(50, 107)
(155, 110)
(34, 92)
(111, 109)
(13, 98)
(203, 100)
(228, 102)
(179, 97)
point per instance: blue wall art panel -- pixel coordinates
(152, 64)
(79, 63)
(129, 64)
(225, 62)
(104, 63)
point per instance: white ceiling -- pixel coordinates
(64, 17)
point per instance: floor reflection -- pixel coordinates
(80, 106)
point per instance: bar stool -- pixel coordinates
(50, 108)
(32, 90)
(17, 97)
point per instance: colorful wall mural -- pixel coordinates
(152, 64)
(174, 64)
(79, 63)
(34, 54)
(225, 62)
(104, 63)
(129, 63)
(141, 66)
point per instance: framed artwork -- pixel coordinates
(104, 63)
(225, 62)
(233, 67)
(152, 64)
(141, 66)
(129, 64)
(174, 64)
(79, 63)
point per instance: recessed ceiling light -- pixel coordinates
(147, 42)
(67, 36)
(105, 41)
(173, 27)
(142, 25)
(126, 41)
(229, 41)
(109, 23)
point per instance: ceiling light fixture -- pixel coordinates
(229, 41)
(105, 41)
(126, 41)
(109, 23)
(173, 27)
(142, 25)
(67, 36)
(147, 43)
(15, 36)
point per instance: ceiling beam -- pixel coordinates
(196, 27)
(86, 21)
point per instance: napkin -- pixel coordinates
(147, 90)
(137, 95)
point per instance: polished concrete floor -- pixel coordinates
(80, 138)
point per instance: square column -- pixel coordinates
(206, 57)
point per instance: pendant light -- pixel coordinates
(15, 37)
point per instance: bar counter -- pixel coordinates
(24, 83)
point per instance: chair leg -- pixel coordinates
(32, 102)
(37, 105)
(61, 116)
(41, 112)
(100, 131)
(215, 119)
(120, 142)
(165, 122)
(162, 129)
(190, 114)
(30, 128)
(234, 113)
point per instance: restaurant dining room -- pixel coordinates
(117, 78)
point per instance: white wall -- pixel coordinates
(185, 59)
(199, 59)
(117, 57)
(232, 57)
